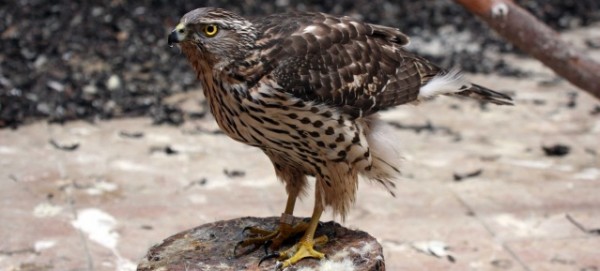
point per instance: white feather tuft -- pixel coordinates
(385, 154)
(451, 82)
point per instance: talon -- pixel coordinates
(269, 240)
(240, 243)
(269, 256)
(236, 247)
(266, 246)
(246, 229)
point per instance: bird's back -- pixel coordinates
(357, 67)
(343, 62)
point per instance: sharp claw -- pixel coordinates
(245, 229)
(241, 244)
(236, 247)
(269, 256)
(266, 246)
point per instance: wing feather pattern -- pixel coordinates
(358, 67)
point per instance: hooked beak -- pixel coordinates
(177, 35)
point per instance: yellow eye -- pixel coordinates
(211, 30)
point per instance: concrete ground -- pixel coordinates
(130, 184)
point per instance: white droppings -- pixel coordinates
(43, 245)
(364, 249)
(223, 266)
(8, 150)
(596, 127)
(340, 255)
(46, 210)
(89, 158)
(99, 227)
(531, 163)
(127, 165)
(341, 260)
(257, 183)
(588, 174)
(540, 164)
(332, 265)
(125, 264)
(100, 188)
(158, 138)
(434, 248)
(570, 185)
(83, 131)
(345, 264)
(516, 226)
(395, 246)
(198, 199)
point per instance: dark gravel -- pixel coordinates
(65, 60)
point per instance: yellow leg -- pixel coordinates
(305, 247)
(275, 238)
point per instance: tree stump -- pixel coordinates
(210, 247)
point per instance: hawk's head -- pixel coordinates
(216, 35)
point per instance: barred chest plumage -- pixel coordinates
(305, 136)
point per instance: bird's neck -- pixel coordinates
(223, 93)
(224, 102)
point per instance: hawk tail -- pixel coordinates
(452, 83)
(485, 94)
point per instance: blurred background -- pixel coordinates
(66, 60)
(107, 146)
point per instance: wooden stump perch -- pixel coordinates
(210, 247)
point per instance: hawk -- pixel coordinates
(305, 88)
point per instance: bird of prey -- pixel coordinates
(305, 88)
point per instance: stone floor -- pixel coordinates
(130, 184)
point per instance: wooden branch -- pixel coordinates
(521, 28)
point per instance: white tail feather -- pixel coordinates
(451, 82)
